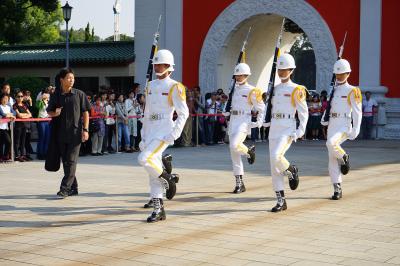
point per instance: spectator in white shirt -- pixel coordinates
(6, 112)
(369, 108)
(6, 89)
(110, 122)
(132, 107)
(212, 107)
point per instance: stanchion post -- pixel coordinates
(12, 140)
(197, 130)
(116, 134)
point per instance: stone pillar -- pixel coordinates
(146, 19)
(173, 33)
(370, 57)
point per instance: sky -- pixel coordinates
(99, 13)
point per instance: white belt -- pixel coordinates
(239, 112)
(282, 116)
(155, 117)
(339, 115)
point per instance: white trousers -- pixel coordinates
(279, 164)
(335, 152)
(151, 159)
(237, 149)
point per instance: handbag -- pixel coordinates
(53, 157)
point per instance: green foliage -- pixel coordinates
(29, 21)
(292, 27)
(123, 37)
(301, 44)
(87, 33)
(303, 53)
(33, 84)
(80, 35)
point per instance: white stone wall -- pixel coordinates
(259, 51)
(241, 10)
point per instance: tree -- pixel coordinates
(79, 35)
(123, 37)
(30, 21)
(301, 44)
(87, 33)
(33, 84)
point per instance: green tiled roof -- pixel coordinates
(80, 53)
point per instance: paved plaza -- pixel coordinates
(206, 224)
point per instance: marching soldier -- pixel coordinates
(288, 98)
(163, 96)
(345, 108)
(244, 99)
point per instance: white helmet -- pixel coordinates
(242, 69)
(164, 57)
(341, 66)
(286, 61)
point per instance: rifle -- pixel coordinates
(154, 47)
(233, 80)
(271, 84)
(326, 117)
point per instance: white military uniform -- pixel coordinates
(345, 107)
(288, 99)
(163, 97)
(244, 99)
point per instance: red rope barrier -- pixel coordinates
(5, 120)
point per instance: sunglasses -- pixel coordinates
(19, 96)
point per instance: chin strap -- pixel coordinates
(243, 82)
(169, 69)
(342, 82)
(287, 77)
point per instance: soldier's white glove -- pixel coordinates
(352, 135)
(142, 145)
(293, 136)
(169, 139)
(266, 124)
(324, 123)
(226, 113)
(256, 125)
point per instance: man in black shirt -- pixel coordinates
(71, 108)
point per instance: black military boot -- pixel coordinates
(73, 192)
(281, 204)
(158, 213)
(169, 181)
(293, 174)
(63, 193)
(149, 204)
(337, 194)
(239, 185)
(345, 164)
(167, 162)
(251, 154)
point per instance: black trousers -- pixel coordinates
(110, 133)
(139, 136)
(19, 141)
(28, 146)
(5, 143)
(366, 126)
(69, 155)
